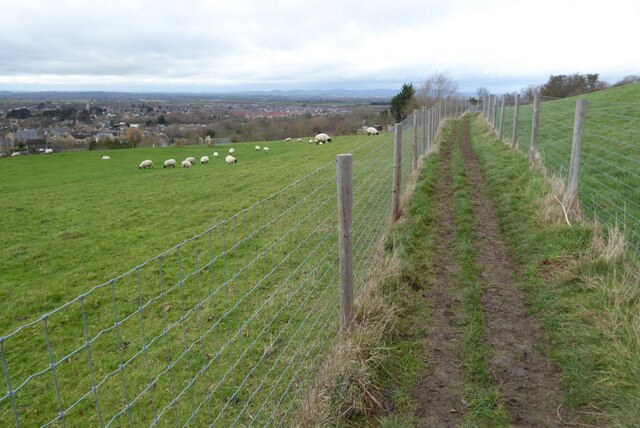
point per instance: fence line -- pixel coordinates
(225, 328)
(608, 189)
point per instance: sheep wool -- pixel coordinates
(322, 138)
(146, 164)
(185, 164)
(230, 159)
(48, 151)
(215, 153)
(169, 163)
(257, 148)
(287, 139)
(372, 131)
(14, 154)
(191, 159)
(266, 149)
(204, 159)
(104, 157)
(232, 150)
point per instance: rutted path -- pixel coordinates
(529, 384)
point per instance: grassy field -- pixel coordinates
(169, 294)
(609, 175)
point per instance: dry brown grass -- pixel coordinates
(608, 244)
(345, 387)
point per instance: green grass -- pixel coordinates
(609, 178)
(228, 322)
(589, 307)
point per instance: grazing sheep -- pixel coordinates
(105, 157)
(372, 131)
(287, 139)
(265, 148)
(146, 164)
(324, 138)
(169, 163)
(230, 159)
(299, 140)
(48, 151)
(257, 148)
(215, 153)
(232, 150)
(204, 159)
(14, 154)
(186, 164)
(311, 141)
(191, 159)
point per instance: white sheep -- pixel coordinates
(48, 151)
(185, 164)
(311, 141)
(169, 163)
(14, 154)
(204, 159)
(146, 164)
(324, 138)
(232, 150)
(265, 148)
(287, 139)
(215, 153)
(104, 157)
(191, 160)
(299, 140)
(372, 131)
(257, 148)
(230, 159)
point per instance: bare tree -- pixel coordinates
(436, 87)
(481, 93)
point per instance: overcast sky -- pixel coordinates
(215, 45)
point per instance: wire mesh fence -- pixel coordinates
(610, 159)
(224, 329)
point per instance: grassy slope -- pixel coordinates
(609, 178)
(72, 221)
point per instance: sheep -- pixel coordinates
(265, 148)
(146, 164)
(204, 159)
(169, 163)
(215, 153)
(372, 131)
(48, 151)
(14, 154)
(230, 159)
(299, 140)
(257, 148)
(191, 160)
(105, 157)
(311, 141)
(287, 139)
(324, 138)
(185, 164)
(232, 150)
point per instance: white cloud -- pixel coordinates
(287, 43)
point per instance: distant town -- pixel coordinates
(35, 123)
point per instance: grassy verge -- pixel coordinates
(590, 307)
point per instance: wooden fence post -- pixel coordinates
(501, 133)
(571, 201)
(494, 105)
(345, 228)
(535, 123)
(414, 164)
(424, 130)
(397, 160)
(516, 114)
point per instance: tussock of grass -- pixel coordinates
(346, 387)
(611, 247)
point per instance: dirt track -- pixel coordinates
(529, 384)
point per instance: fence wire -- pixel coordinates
(223, 329)
(610, 161)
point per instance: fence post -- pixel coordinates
(571, 201)
(345, 228)
(501, 133)
(516, 114)
(414, 164)
(494, 105)
(535, 123)
(397, 160)
(424, 130)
